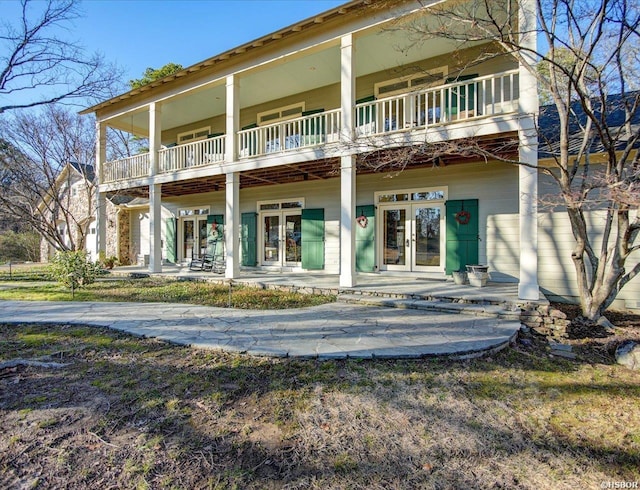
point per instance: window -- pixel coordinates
(281, 114)
(412, 195)
(424, 79)
(195, 135)
(193, 212)
(276, 205)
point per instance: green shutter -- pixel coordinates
(365, 239)
(249, 239)
(462, 239)
(170, 238)
(313, 239)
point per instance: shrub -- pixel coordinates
(74, 269)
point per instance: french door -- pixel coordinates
(412, 237)
(194, 237)
(281, 234)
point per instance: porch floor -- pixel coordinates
(399, 286)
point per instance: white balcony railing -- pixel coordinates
(196, 154)
(303, 132)
(452, 102)
(126, 168)
(482, 96)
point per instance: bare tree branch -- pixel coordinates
(37, 67)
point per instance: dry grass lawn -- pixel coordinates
(125, 412)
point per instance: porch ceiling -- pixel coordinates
(394, 160)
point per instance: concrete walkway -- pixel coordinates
(335, 330)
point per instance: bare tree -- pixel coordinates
(38, 67)
(35, 189)
(587, 65)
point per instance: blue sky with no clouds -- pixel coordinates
(137, 34)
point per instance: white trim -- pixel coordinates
(413, 82)
(194, 208)
(410, 204)
(197, 135)
(281, 212)
(278, 113)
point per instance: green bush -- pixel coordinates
(74, 269)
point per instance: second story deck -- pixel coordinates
(474, 100)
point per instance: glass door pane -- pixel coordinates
(293, 248)
(394, 229)
(202, 236)
(188, 237)
(271, 240)
(427, 236)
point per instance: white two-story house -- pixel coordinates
(284, 151)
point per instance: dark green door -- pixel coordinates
(249, 239)
(462, 234)
(365, 238)
(312, 239)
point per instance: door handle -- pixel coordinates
(408, 244)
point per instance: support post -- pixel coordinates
(232, 226)
(347, 219)
(347, 164)
(155, 190)
(155, 227)
(528, 287)
(155, 135)
(233, 119)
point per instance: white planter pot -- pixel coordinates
(459, 277)
(478, 279)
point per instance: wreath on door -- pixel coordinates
(463, 216)
(362, 221)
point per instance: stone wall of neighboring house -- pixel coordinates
(79, 198)
(124, 242)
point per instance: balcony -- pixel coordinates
(303, 132)
(191, 155)
(466, 100)
(126, 168)
(453, 102)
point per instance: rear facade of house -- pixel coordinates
(305, 150)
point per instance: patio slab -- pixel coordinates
(334, 330)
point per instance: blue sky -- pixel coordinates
(137, 34)
(141, 33)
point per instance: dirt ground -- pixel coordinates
(107, 410)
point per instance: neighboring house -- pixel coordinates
(75, 192)
(260, 148)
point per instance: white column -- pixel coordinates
(155, 192)
(347, 165)
(347, 219)
(528, 287)
(101, 204)
(155, 135)
(232, 226)
(233, 118)
(155, 227)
